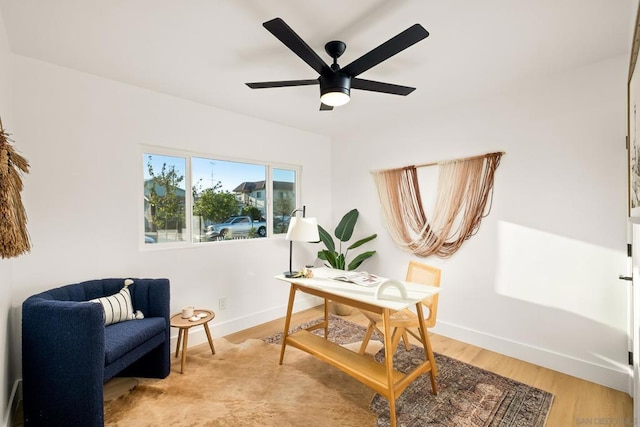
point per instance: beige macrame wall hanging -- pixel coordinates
(14, 239)
(465, 188)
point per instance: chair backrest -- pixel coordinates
(426, 275)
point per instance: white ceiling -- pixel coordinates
(205, 50)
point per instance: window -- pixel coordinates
(164, 199)
(284, 186)
(229, 200)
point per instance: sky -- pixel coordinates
(210, 171)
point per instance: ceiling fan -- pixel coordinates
(336, 82)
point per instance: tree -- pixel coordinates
(282, 207)
(167, 206)
(215, 205)
(253, 212)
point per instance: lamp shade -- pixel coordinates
(303, 230)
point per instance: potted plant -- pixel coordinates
(335, 257)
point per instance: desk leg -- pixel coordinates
(326, 319)
(185, 338)
(287, 321)
(395, 338)
(388, 358)
(428, 351)
(206, 329)
(179, 340)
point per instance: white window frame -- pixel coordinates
(146, 150)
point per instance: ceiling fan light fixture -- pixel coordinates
(336, 97)
(335, 89)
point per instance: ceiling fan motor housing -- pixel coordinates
(335, 82)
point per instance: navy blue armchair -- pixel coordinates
(68, 352)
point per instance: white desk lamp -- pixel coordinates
(300, 230)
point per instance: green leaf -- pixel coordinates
(326, 238)
(362, 241)
(345, 227)
(328, 256)
(333, 255)
(355, 263)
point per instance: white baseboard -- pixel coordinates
(12, 406)
(617, 379)
(220, 329)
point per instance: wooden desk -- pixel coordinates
(184, 325)
(384, 379)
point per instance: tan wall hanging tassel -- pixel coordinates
(14, 238)
(465, 186)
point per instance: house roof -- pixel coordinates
(248, 187)
(159, 190)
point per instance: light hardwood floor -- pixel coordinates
(576, 401)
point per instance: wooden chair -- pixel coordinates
(406, 320)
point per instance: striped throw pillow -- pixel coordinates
(117, 307)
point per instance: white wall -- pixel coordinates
(6, 376)
(540, 279)
(82, 135)
(561, 188)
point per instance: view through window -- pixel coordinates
(229, 200)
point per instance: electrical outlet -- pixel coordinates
(222, 303)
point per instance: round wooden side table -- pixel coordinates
(177, 321)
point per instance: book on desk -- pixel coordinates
(369, 280)
(360, 278)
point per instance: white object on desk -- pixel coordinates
(187, 312)
(380, 290)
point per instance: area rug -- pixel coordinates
(243, 385)
(467, 395)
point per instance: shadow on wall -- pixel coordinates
(582, 306)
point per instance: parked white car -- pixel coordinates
(239, 226)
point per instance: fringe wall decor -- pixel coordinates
(465, 188)
(14, 238)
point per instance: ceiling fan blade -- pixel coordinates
(325, 107)
(373, 86)
(386, 50)
(286, 35)
(283, 83)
